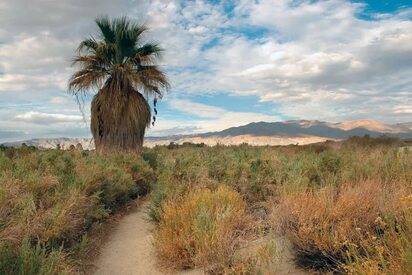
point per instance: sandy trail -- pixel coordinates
(129, 249)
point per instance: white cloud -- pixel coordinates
(168, 130)
(59, 100)
(44, 118)
(198, 29)
(234, 119)
(403, 109)
(198, 109)
(257, 70)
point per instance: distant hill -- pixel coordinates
(407, 125)
(299, 128)
(370, 125)
(260, 133)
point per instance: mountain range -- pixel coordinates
(259, 133)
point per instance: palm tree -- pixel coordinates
(124, 72)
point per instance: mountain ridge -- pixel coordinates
(258, 133)
(339, 130)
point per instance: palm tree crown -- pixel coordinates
(118, 57)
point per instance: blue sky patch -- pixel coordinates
(210, 44)
(373, 7)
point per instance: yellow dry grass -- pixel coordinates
(201, 230)
(330, 226)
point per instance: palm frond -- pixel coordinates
(146, 55)
(149, 49)
(89, 44)
(151, 79)
(127, 37)
(86, 79)
(106, 29)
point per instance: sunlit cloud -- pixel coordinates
(44, 118)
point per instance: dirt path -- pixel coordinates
(129, 249)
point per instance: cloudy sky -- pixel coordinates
(229, 62)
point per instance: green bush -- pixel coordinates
(29, 260)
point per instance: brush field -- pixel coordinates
(344, 208)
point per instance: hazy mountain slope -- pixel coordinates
(407, 125)
(369, 125)
(281, 129)
(297, 128)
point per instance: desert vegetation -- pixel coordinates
(50, 200)
(344, 207)
(201, 228)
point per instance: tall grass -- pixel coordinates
(50, 199)
(201, 230)
(32, 260)
(325, 225)
(390, 251)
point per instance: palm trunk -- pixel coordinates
(119, 120)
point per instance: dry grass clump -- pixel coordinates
(325, 225)
(261, 256)
(389, 252)
(202, 229)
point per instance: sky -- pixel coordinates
(229, 62)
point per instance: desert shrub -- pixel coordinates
(367, 141)
(157, 198)
(324, 225)
(151, 158)
(261, 256)
(202, 229)
(389, 252)
(172, 145)
(310, 183)
(30, 260)
(258, 172)
(191, 144)
(330, 162)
